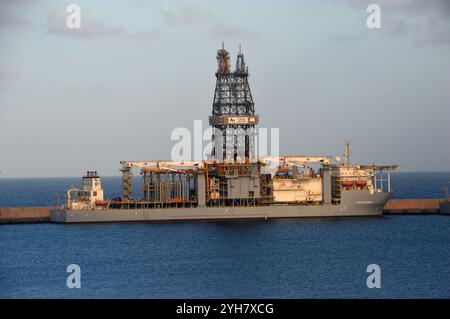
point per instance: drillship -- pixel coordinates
(233, 183)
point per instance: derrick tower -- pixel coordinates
(233, 114)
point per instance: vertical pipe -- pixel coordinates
(381, 180)
(147, 183)
(375, 181)
(158, 181)
(389, 182)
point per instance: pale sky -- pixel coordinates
(72, 101)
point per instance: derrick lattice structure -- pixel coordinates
(233, 116)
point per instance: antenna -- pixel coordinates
(240, 63)
(347, 152)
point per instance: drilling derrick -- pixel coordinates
(234, 177)
(233, 116)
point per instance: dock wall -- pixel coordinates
(412, 206)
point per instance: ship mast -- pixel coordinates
(347, 152)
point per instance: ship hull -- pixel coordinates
(354, 203)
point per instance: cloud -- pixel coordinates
(438, 7)
(9, 17)
(426, 22)
(91, 28)
(11, 20)
(187, 16)
(431, 33)
(402, 6)
(397, 27)
(190, 16)
(225, 30)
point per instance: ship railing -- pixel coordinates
(381, 176)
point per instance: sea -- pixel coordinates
(287, 258)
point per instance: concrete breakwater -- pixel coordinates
(37, 214)
(412, 206)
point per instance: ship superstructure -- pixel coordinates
(88, 196)
(234, 182)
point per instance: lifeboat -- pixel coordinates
(361, 183)
(347, 183)
(176, 200)
(101, 203)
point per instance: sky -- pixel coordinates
(75, 100)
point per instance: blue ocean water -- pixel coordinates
(291, 258)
